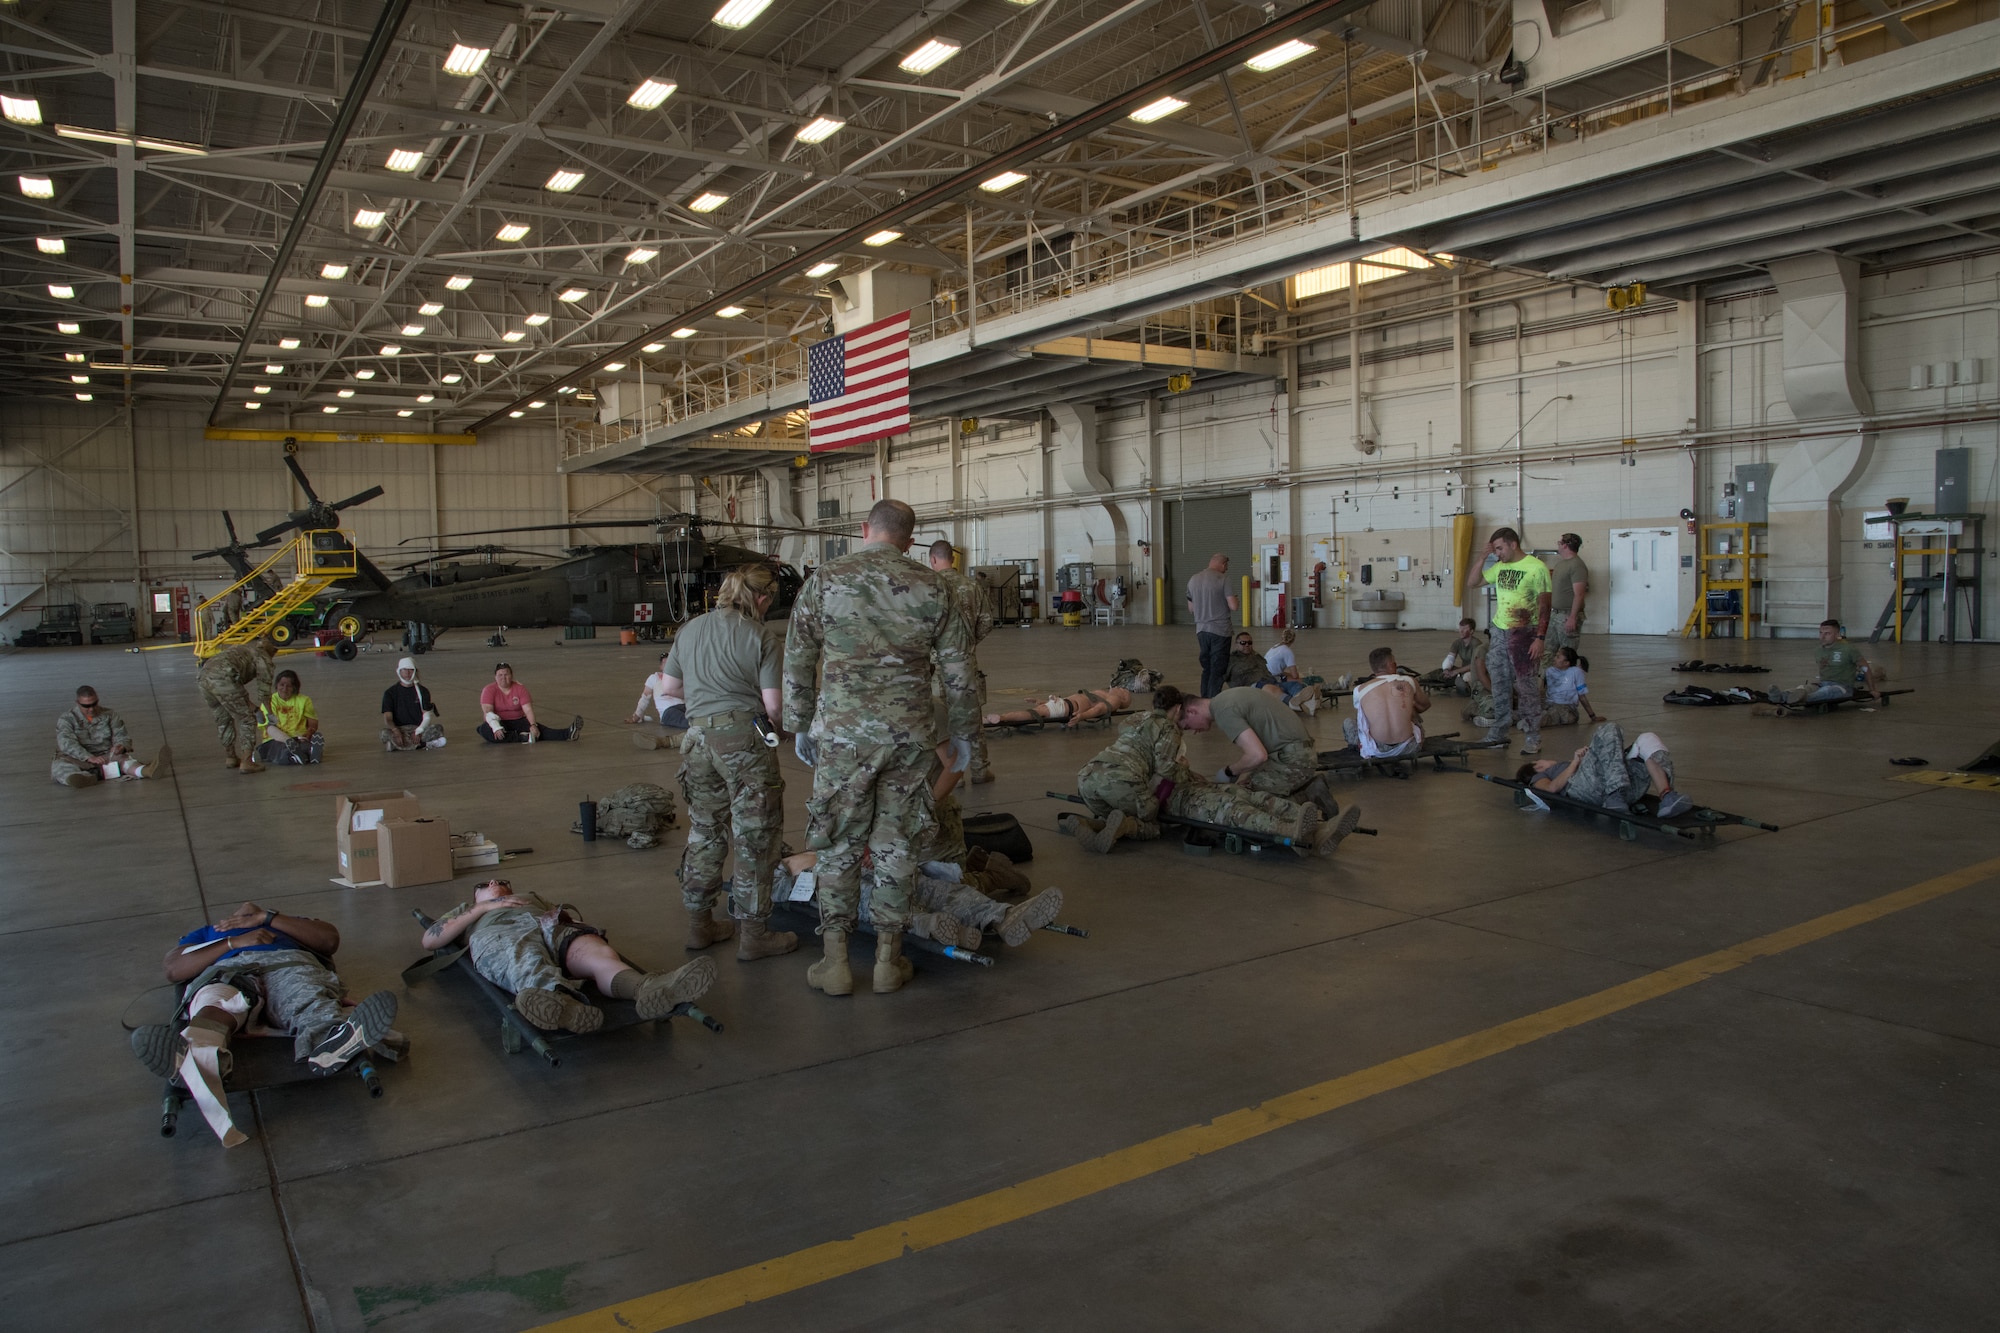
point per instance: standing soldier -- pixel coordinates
(236, 682)
(978, 615)
(858, 664)
(725, 669)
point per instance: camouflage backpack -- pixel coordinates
(1133, 675)
(640, 812)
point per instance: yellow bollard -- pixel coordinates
(1159, 601)
(1249, 616)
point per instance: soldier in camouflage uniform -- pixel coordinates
(977, 609)
(727, 667)
(867, 633)
(542, 951)
(236, 683)
(1275, 750)
(92, 745)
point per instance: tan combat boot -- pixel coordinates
(755, 939)
(1116, 825)
(248, 764)
(892, 970)
(704, 929)
(229, 760)
(832, 973)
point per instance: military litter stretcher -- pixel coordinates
(1880, 699)
(516, 1031)
(803, 917)
(1698, 823)
(1446, 753)
(1200, 837)
(1060, 724)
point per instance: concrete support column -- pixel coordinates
(1046, 477)
(1156, 514)
(1822, 376)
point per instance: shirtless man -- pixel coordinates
(1068, 709)
(1386, 706)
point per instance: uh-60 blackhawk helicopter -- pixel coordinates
(649, 586)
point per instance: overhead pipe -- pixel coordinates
(387, 24)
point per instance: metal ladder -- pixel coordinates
(321, 557)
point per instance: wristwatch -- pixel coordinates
(270, 915)
(1229, 772)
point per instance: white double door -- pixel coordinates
(1645, 579)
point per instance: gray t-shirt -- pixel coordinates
(1209, 592)
(1563, 578)
(725, 661)
(1245, 708)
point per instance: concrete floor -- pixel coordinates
(1805, 1143)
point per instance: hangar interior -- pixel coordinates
(1713, 285)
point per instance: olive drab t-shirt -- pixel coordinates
(1238, 710)
(724, 661)
(1519, 585)
(1563, 578)
(1208, 591)
(1837, 662)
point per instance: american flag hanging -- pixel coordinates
(858, 385)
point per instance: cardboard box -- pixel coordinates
(356, 818)
(414, 851)
(473, 855)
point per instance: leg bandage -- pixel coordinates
(201, 1067)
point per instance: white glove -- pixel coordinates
(1223, 775)
(804, 747)
(961, 753)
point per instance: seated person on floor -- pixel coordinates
(1566, 690)
(510, 713)
(257, 970)
(1246, 668)
(1144, 774)
(291, 727)
(1133, 675)
(1301, 694)
(1605, 773)
(1455, 672)
(667, 704)
(92, 745)
(1069, 709)
(1274, 752)
(409, 713)
(540, 952)
(1386, 705)
(1838, 669)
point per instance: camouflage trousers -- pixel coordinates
(735, 801)
(1559, 637)
(982, 762)
(235, 713)
(517, 950)
(1517, 682)
(1106, 787)
(1606, 770)
(872, 798)
(1237, 806)
(962, 902)
(300, 995)
(1292, 772)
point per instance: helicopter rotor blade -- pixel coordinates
(361, 499)
(304, 484)
(538, 527)
(230, 523)
(269, 535)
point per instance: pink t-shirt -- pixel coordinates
(505, 703)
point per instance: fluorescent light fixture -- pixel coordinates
(345, 393)
(453, 378)
(329, 409)
(1159, 110)
(707, 202)
(273, 368)
(643, 254)
(431, 308)
(333, 272)
(571, 294)
(253, 407)
(21, 110)
(651, 93)
(62, 291)
(66, 327)
(511, 231)
(512, 336)
(538, 404)
(1284, 53)
(404, 159)
(483, 358)
(406, 412)
(613, 367)
(391, 349)
(683, 333)
(458, 282)
(729, 312)
(370, 218)
(884, 237)
(567, 388)
(38, 187)
(740, 13)
(934, 52)
(536, 320)
(466, 61)
(317, 301)
(289, 344)
(51, 245)
(821, 269)
(85, 397)
(73, 356)
(651, 348)
(1006, 180)
(517, 415)
(820, 129)
(260, 388)
(125, 367)
(365, 373)
(564, 180)
(426, 397)
(79, 379)
(413, 330)
(129, 140)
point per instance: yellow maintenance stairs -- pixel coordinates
(320, 558)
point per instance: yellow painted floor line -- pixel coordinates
(775, 1277)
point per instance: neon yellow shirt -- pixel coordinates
(1520, 585)
(289, 715)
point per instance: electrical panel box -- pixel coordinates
(1954, 481)
(1753, 488)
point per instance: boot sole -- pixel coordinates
(159, 1048)
(368, 1023)
(659, 993)
(1331, 836)
(552, 1012)
(1031, 916)
(1104, 839)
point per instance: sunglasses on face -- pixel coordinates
(495, 884)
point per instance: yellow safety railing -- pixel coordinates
(320, 558)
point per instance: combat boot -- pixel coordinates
(704, 929)
(1072, 825)
(1328, 836)
(1024, 920)
(755, 939)
(892, 970)
(229, 760)
(658, 992)
(1116, 825)
(1305, 827)
(250, 765)
(832, 973)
